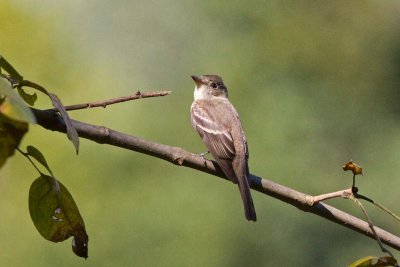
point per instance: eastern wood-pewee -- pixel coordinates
(218, 124)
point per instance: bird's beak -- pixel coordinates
(197, 80)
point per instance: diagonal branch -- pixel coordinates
(103, 135)
(107, 102)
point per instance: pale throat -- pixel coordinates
(201, 92)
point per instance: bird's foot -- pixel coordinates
(202, 154)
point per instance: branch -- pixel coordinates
(178, 156)
(105, 103)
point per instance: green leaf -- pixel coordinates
(55, 214)
(34, 152)
(371, 261)
(72, 134)
(10, 69)
(30, 99)
(11, 133)
(13, 106)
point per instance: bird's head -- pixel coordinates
(209, 86)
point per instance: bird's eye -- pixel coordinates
(214, 85)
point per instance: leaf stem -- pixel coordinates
(26, 155)
(33, 85)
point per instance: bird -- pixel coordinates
(218, 124)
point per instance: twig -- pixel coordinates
(105, 103)
(178, 156)
(371, 225)
(378, 205)
(342, 193)
(352, 194)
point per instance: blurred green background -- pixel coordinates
(316, 84)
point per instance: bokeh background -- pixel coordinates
(316, 84)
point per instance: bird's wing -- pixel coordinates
(216, 137)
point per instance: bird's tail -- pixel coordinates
(248, 205)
